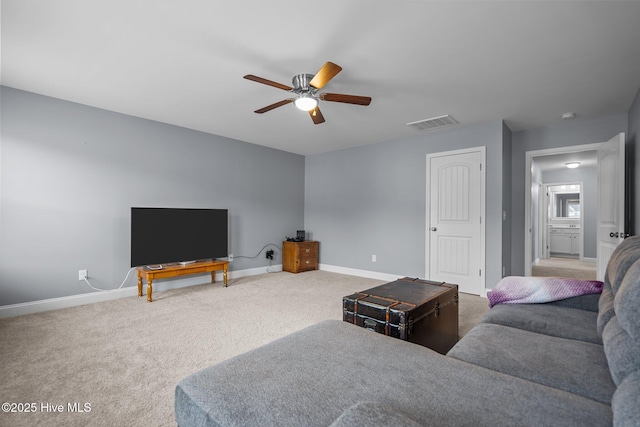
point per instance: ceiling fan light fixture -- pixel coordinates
(305, 103)
(572, 165)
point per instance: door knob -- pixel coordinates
(612, 234)
(433, 229)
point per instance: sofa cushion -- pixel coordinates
(367, 414)
(623, 353)
(312, 376)
(622, 258)
(546, 319)
(621, 335)
(605, 308)
(575, 366)
(627, 302)
(626, 410)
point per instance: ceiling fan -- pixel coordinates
(306, 88)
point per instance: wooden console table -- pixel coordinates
(180, 270)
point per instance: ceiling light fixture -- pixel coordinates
(572, 165)
(568, 116)
(305, 102)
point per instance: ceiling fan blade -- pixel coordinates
(348, 99)
(276, 105)
(267, 82)
(316, 116)
(326, 73)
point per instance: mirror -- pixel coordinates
(567, 205)
(565, 201)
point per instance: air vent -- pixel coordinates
(434, 123)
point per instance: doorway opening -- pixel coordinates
(603, 188)
(562, 231)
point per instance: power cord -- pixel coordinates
(259, 252)
(100, 289)
(269, 267)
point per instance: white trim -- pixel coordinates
(360, 273)
(129, 291)
(483, 211)
(529, 155)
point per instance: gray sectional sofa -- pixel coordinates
(574, 362)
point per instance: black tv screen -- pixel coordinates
(172, 235)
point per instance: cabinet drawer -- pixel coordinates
(305, 263)
(307, 251)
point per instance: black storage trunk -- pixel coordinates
(419, 311)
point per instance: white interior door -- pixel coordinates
(455, 229)
(611, 200)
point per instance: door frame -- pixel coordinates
(483, 191)
(529, 155)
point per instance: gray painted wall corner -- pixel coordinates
(371, 200)
(70, 174)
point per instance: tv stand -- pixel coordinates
(180, 270)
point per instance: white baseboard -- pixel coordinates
(360, 273)
(371, 274)
(129, 291)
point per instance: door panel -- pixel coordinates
(454, 254)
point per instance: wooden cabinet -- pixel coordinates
(299, 256)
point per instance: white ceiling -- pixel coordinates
(549, 162)
(182, 62)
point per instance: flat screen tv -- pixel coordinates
(173, 235)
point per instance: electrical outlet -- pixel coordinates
(230, 257)
(82, 274)
(269, 254)
(374, 258)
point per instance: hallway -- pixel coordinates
(564, 267)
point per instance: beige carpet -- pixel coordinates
(124, 357)
(564, 267)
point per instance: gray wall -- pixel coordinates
(506, 200)
(588, 177)
(576, 132)
(371, 200)
(70, 174)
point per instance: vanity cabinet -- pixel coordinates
(564, 240)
